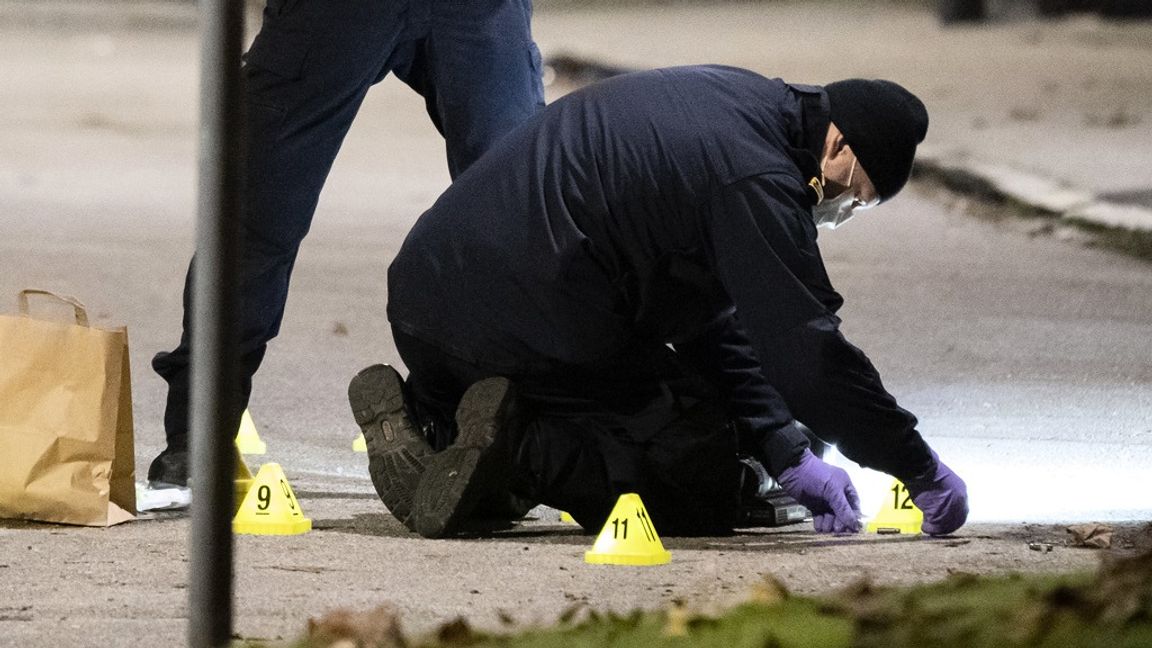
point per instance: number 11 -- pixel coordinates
(620, 529)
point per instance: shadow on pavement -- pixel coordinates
(306, 495)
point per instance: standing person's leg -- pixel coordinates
(306, 76)
(480, 74)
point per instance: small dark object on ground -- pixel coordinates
(582, 71)
(960, 11)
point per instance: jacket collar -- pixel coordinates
(808, 144)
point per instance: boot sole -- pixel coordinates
(455, 480)
(396, 453)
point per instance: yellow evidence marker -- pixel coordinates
(628, 537)
(270, 507)
(567, 518)
(898, 514)
(360, 445)
(241, 482)
(248, 439)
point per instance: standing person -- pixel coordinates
(306, 74)
(627, 291)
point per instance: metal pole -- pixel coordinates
(214, 364)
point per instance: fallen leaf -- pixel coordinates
(769, 591)
(379, 628)
(456, 633)
(676, 621)
(1096, 536)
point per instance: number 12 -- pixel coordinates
(897, 490)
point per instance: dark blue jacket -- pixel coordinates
(667, 206)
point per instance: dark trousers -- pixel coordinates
(638, 423)
(306, 75)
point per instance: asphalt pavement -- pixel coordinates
(1023, 348)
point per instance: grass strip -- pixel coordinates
(1109, 609)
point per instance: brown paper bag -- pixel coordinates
(66, 452)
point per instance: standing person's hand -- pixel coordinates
(826, 491)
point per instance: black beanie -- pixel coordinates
(883, 123)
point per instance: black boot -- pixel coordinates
(167, 488)
(169, 469)
(397, 454)
(475, 466)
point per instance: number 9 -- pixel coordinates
(264, 495)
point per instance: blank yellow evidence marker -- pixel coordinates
(241, 483)
(270, 507)
(628, 537)
(898, 514)
(247, 438)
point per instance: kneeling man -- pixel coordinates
(626, 293)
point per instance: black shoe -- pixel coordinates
(169, 470)
(476, 465)
(396, 452)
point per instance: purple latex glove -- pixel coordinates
(942, 496)
(826, 491)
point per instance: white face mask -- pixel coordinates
(833, 213)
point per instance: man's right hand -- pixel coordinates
(825, 490)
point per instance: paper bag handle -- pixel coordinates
(81, 312)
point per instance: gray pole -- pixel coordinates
(214, 377)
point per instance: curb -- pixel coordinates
(1044, 195)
